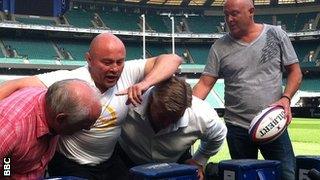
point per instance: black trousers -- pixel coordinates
(110, 169)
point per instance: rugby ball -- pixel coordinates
(268, 125)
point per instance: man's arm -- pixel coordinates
(156, 70)
(204, 86)
(211, 140)
(8, 87)
(293, 83)
(8, 140)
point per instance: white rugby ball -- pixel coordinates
(268, 125)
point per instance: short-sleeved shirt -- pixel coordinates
(97, 144)
(252, 72)
(199, 121)
(24, 134)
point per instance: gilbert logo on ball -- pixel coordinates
(268, 125)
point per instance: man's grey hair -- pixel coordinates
(61, 98)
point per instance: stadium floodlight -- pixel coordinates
(172, 34)
(143, 36)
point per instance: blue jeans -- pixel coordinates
(241, 147)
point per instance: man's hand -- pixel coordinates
(285, 103)
(200, 168)
(134, 93)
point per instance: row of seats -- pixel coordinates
(193, 24)
(308, 51)
(310, 84)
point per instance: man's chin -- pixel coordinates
(110, 84)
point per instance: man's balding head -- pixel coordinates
(72, 105)
(239, 17)
(240, 3)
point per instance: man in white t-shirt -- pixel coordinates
(166, 124)
(88, 153)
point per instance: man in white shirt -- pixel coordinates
(88, 153)
(167, 123)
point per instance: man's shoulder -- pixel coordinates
(222, 43)
(224, 39)
(200, 107)
(135, 63)
(21, 103)
(25, 94)
(277, 30)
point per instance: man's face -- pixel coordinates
(237, 17)
(106, 67)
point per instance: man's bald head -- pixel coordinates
(105, 42)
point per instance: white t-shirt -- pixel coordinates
(199, 121)
(97, 144)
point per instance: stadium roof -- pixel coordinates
(210, 2)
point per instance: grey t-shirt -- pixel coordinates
(252, 72)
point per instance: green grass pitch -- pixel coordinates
(304, 134)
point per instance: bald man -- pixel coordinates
(32, 118)
(251, 59)
(88, 154)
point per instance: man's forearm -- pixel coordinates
(164, 67)
(293, 81)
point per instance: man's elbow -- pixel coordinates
(173, 58)
(223, 132)
(300, 77)
(178, 59)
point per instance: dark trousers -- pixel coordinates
(241, 147)
(110, 169)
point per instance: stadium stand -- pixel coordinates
(117, 21)
(155, 49)
(157, 23)
(35, 20)
(287, 21)
(31, 48)
(310, 84)
(79, 18)
(1, 55)
(199, 53)
(267, 19)
(308, 52)
(134, 50)
(73, 49)
(304, 21)
(205, 24)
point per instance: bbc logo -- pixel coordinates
(6, 167)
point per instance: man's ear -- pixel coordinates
(60, 118)
(88, 58)
(251, 11)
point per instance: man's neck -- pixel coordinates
(102, 89)
(253, 33)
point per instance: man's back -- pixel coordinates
(25, 134)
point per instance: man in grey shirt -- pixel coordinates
(251, 59)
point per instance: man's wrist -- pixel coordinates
(286, 97)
